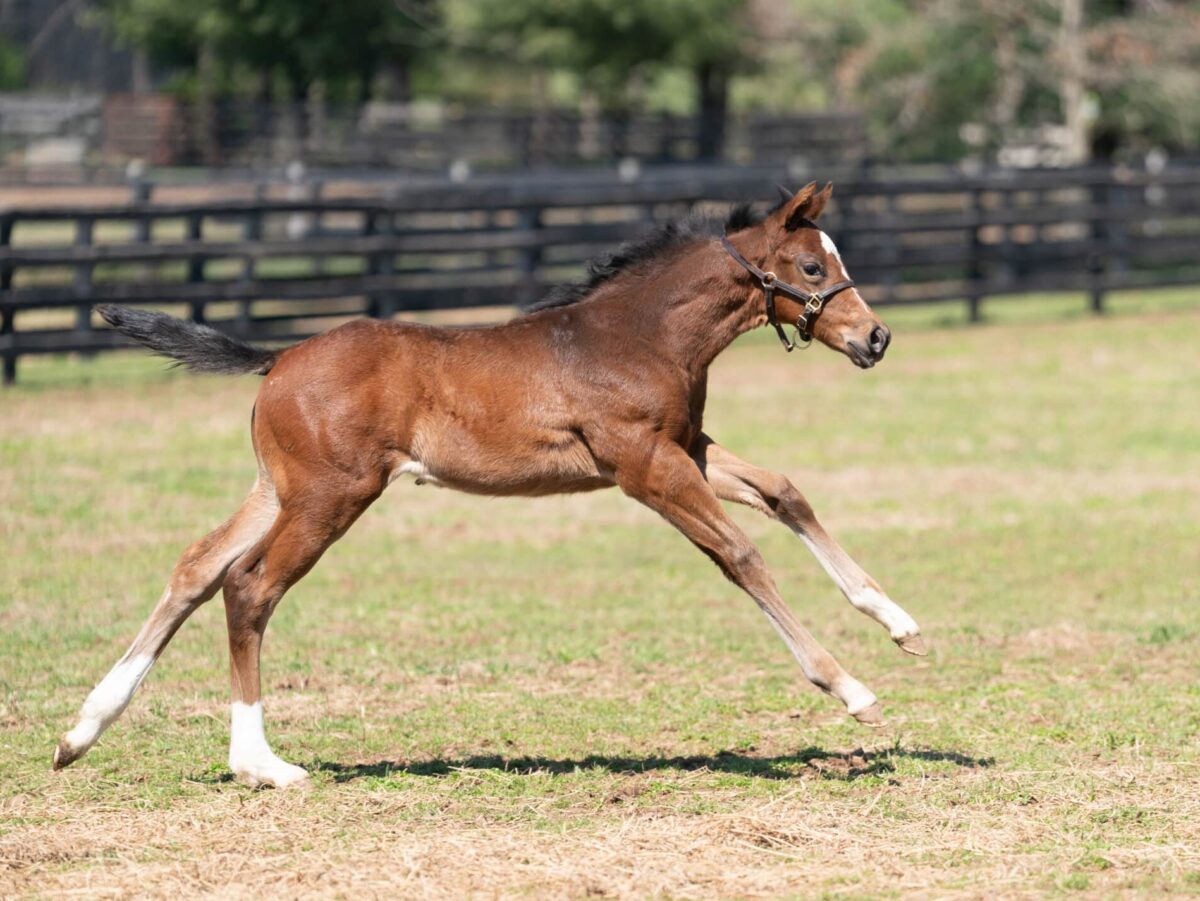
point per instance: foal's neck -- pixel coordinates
(706, 305)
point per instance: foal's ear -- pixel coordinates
(806, 204)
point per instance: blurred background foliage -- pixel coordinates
(935, 79)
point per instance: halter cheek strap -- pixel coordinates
(814, 301)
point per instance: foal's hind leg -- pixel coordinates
(195, 579)
(666, 480)
(736, 480)
(253, 587)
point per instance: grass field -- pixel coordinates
(563, 698)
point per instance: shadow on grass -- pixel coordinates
(809, 762)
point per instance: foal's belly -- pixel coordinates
(500, 461)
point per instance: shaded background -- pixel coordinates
(238, 82)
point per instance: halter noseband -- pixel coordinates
(814, 301)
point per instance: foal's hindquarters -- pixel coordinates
(318, 471)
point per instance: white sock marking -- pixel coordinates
(107, 700)
(856, 696)
(853, 584)
(250, 757)
(885, 611)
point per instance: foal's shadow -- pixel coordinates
(844, 766)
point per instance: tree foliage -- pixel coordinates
(940, 77)
(608, 40)
(936, 78)
(297, 40)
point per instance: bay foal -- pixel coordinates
(604, 385)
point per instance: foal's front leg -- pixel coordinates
(733, 479)
(663, 477)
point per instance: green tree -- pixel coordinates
(1107, 74)
(607, 40)
(342, 44)
(12, 66)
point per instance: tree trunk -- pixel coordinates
(266, 86)
(393, 82)
(140, 72)
(712, 83)
(1010, 89)
(366, 78)
(206, 106)
(1071, 92)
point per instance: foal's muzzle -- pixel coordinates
(866, 354)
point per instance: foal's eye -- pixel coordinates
(812, 268)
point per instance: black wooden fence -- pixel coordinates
(282, 269)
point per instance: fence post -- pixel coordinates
(139, 194)
(528, 220)
(195, 232)
(252, 231)
(891, 254)
(975, 268)
(8, 312)
(1099, 198)
(1114, 235)
(1008, 268)
(83, 279)
(383, 263)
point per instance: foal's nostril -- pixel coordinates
(880, 337)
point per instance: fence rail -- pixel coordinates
(281, 269)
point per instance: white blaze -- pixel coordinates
(831, 249)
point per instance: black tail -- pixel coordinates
(189, 343)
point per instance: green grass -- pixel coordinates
(561, 697)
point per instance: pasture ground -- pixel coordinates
(561, 697)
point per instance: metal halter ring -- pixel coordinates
(812, 308)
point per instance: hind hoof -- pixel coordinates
(271, 774)
(871, 716)
(913, 644)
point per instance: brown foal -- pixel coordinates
(603, 385)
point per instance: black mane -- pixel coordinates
(655, 242)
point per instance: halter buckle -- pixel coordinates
(812, 308)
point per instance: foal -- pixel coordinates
(604, 384)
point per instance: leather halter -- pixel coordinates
(814, 301)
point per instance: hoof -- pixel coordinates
(65, 755)
(871, 716)
(913, 644)
(285, 775)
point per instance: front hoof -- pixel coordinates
(913, 644)
(65, 755)
(871, 716)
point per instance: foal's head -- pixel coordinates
(799, 253)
